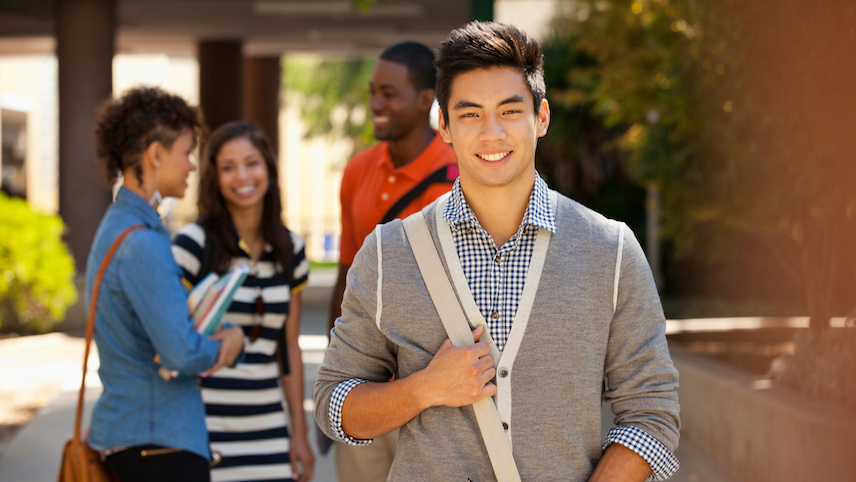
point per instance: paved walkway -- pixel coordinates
(34, 452)
(28, 364)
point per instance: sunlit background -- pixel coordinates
(723, 132)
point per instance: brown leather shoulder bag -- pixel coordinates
(80, 463)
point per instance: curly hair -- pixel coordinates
(126, 127)
(215, 218)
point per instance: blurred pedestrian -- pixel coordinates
(241, 222)
(148, 428)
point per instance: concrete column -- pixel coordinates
(220, 79)
(84, 38)
(262, 80)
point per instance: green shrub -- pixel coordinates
(36, 268)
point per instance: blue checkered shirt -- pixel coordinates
(496, 276)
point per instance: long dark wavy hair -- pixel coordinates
(214, 217)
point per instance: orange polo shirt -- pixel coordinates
(371, 185)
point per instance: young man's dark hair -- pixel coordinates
(419, 61)
(479, 45)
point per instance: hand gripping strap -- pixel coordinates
(90, 323)
(454, 320)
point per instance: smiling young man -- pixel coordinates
(567, 296)
(408, 169)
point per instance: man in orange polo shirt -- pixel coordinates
(409, 169)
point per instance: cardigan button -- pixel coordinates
(503, 372)
(504, 426)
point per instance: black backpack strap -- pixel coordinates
(446, 174)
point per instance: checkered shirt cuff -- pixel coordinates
(662, 461)
(334, 412)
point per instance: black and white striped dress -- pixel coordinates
(245, 406)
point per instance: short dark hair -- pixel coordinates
(479, 45)
(419, 61)
(125, 127)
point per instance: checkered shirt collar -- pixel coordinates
(539, 212)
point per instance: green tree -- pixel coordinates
(581, 156)
(732, 110)
(647, 56)
(333, 94)
(36, 268)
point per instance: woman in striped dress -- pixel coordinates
(240, 222)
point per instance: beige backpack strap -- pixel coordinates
(455, 322)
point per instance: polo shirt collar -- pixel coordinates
(414, 169)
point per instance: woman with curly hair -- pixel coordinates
(241, 222)
(148, 428)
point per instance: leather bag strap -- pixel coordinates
(90, 322)
(454, 320)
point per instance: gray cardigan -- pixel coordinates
(589, 336)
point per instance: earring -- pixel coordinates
(156, 199)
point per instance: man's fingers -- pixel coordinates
(447, 344)
(488, 390)
(478, 331)
(487, 375)
(480, 350)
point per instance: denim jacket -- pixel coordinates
(142, 311)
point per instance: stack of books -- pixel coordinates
(207, 302)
